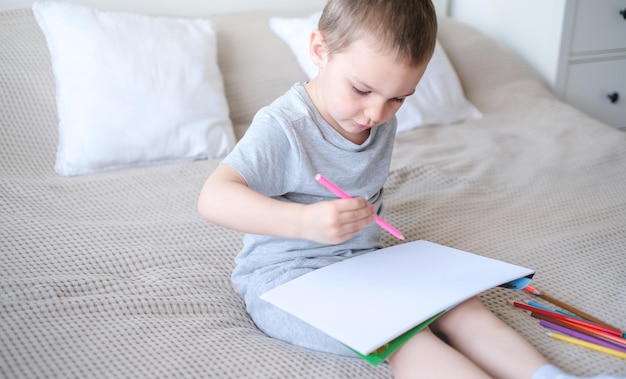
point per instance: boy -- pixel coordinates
(371, 55)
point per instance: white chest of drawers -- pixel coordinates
(577, 46)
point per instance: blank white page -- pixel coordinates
(367, 301)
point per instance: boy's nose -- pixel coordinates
(375, 113)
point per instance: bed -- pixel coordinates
(115, 274)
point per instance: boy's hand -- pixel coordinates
(336, 221)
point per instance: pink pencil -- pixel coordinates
(332, 187)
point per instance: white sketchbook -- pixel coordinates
(367, 301)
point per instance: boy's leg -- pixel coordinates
(497, 348)
(427, 356)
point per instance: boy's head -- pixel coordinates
(407, 28)
(371, 55)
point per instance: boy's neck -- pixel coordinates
(312, 91)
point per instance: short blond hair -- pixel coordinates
(407, 28)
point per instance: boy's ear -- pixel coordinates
(317, 49)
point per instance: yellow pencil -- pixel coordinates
(588, 345)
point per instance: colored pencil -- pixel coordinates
(567, 307)
(573, 320)
(582, 336)
(585, 344)
(535, 304)
(332, 187)
(583, 329)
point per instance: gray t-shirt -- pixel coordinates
(286, 145)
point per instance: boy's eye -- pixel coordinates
(360, 92)
(365, 93)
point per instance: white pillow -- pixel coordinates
(438, 99)
(133, 90)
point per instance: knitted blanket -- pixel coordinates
(116, 275)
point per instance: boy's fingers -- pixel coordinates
(360, 216)
(351, 204)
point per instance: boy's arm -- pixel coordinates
(227, 200)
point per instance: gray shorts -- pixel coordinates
(281, 325)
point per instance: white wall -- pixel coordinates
(185, 8)
(196, 8)
(530, 28)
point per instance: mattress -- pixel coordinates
(115, 274)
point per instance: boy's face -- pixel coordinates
(360, 87)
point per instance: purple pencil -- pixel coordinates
(584, 337)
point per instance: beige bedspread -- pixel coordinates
(116, 275)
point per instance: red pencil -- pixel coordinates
(566, 306)
(572, 320)
(583, 329)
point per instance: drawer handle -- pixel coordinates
(614, 97)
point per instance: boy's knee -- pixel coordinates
(465, 315)
(414, 345)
